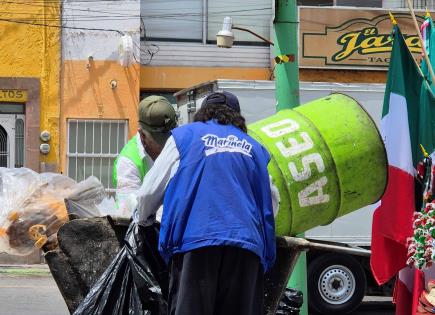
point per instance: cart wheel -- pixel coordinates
(336, 284)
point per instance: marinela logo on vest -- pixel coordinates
(214, 145)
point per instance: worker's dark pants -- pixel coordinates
(219, 280)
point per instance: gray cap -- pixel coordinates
(157, 116)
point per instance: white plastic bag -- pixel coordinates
(32, 208)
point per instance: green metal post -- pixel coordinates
(286, 51)
(287, 96)
(298, 280)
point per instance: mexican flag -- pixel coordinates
(406, 123)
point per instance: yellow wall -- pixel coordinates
(34, 51)
(87, 93)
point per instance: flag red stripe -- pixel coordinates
(406, 295)
(392, 225)
(402, 298)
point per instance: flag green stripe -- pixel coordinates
(404, 78)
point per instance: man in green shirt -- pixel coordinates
(157, 118)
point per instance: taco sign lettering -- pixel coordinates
(368, 41)
(359, 42)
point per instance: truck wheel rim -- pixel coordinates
(336, 284)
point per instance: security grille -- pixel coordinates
(4, 147)
(93, 146)
(19, 142)
(420, 4)
(417, 4)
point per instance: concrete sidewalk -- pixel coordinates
(25, 270)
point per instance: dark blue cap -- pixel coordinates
(222, 98)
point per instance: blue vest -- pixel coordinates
(220, 194)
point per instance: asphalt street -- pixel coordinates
(32, 295)
(28, 293)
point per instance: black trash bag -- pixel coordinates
(284, 309)
(152, 256)
(290, 303)
(128, 285)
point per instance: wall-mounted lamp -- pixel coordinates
(225, 37)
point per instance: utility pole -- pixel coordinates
(286, 51)
(287, 96)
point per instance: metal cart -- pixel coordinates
(87, 246)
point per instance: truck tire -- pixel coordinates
(336, 284)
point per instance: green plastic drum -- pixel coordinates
(327, 160)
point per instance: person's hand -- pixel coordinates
(138, 219)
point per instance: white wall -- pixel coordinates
(78, 44)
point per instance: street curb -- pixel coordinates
(25, 270)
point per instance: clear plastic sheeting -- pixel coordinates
(126, 203)
(33, 207)
(84, 200)
(128, 286)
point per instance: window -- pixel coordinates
(174, 20)
(11, 108)
(387, 4)
(316, 2)
(200, 20)
(255, 15)
(418, 4)
(93, 146)
(359, 3)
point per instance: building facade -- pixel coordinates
(100, 90)
(100, 85)
(29, 90)
(29, 84)
(174, 47)
(77, 69)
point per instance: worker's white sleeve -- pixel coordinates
(275, 196)
(128, 176)
(151, 193)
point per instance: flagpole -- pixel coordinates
(411, 9)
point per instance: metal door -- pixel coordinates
(4, 148)
(11, 140)
(7, 140)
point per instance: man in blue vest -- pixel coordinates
(157, 118)
(217, 230)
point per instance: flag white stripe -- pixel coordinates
(395, 133)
